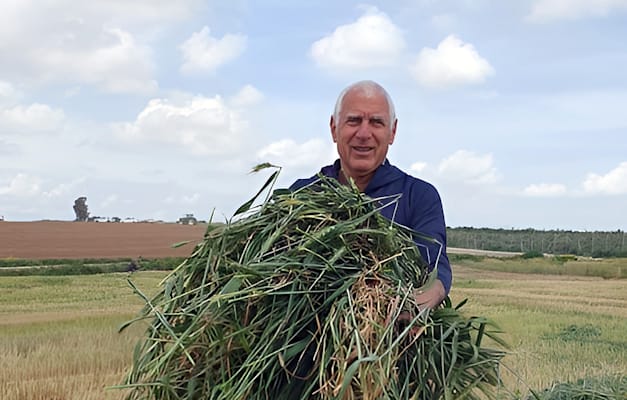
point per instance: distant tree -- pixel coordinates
(80, 209)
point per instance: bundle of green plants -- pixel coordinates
(307, 296)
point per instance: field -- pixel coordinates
(57, 239)
(59, 339)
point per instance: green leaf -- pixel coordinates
(246, 206)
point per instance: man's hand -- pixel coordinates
(431, 296)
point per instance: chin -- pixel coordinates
(363, 168)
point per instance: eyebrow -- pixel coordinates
(374, 118)
(378, 118)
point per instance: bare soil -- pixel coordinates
(78, 240)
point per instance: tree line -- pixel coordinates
(591, 244)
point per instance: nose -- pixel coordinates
(363, 132)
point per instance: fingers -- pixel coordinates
(430, 297)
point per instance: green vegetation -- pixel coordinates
(611, 268)
(20, 267)
(580, 333)
(18, 262)
(604, 388)
(532, 254)
(592, 244)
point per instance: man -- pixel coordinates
(363, 126)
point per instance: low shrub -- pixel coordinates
(532, 254)
(453, 257)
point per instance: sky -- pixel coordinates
(153, 109)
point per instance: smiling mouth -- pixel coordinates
(362, 149)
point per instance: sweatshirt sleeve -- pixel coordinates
(428, 218)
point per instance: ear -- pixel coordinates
(333, 127)
(393, 133)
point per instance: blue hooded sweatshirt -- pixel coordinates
(419, 208)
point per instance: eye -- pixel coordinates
(378, 122)
(353, 121)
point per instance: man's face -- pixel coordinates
(363, 132)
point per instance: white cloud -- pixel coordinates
(8, 148)
(549, 10)
(247, 96)
(63, 189)
(73, 42)
(453, 63)
(289, 154)
(145, 11)
(371, 41)
(545, 190)
(25, 185)
(115, 63)
(22, 185)
(9, 95)
(468, 167)
(202, 125)
(202, 52)
(418, 167)
(30, 19)
(71, 92)
(112, 61)
(614, 182)
(35, 117)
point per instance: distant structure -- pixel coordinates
(98, 219)
(188, 219)
(80, 209)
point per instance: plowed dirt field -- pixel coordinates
(72, 240)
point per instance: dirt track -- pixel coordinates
(487, 253)
(53, 239)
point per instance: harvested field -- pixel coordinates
(77, 240)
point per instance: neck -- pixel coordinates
(360, 181)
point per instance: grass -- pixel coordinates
(58, 335)
(59, 340)
(561, 328)
(62, 359)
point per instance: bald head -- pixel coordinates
(368, 89)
